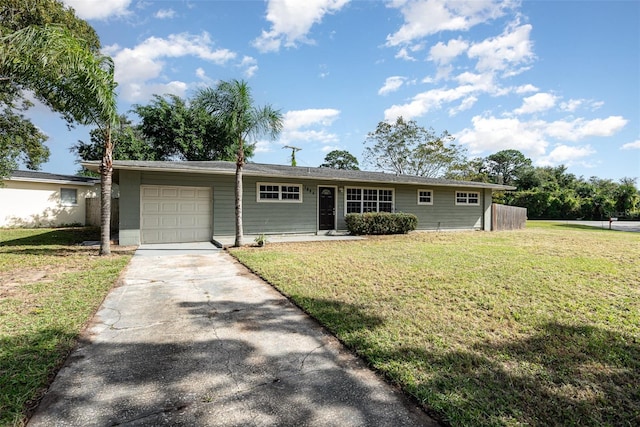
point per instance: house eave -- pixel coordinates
(211, 170)
(53, 181)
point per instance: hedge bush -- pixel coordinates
(381, 223)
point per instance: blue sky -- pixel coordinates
(557, 80)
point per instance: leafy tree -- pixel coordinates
(19, 14)
(553, 193)
(231, 105)
(404, 147)
(128, 144)
(66, 73)
(177, 129)
(627, 197)
(506, 166)
(20, 139)
(340, 159)
(470, 170)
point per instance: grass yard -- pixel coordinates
(533, 327)
(49, 289)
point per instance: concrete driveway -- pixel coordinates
(192, 338)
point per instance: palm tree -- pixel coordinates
(65, 74)
(231, 104)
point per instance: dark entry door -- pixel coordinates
(327, 210)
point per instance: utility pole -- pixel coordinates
(293, 154)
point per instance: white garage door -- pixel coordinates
(175, 214)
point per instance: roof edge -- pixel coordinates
(53, 181)
(95, 165)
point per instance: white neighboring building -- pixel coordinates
(40, 199)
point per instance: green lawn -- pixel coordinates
(533, 327)
(49, 288)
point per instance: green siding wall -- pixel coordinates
(443, 214)
(279, 217)
(129, 183)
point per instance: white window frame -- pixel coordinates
(67, 203)
(280, 192)
(378, 189)
(464, 200)
(424, 190)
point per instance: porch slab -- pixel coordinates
(223, 241)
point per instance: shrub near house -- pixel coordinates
(381, 223)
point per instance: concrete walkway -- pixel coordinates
(192, 338)
(225, 241)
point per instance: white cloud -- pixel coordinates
(528, 88)
(99, 9)
(139, 92)
(481, 82)
(424, 102)
(507, 53)
(504, 52)
(470, 85)
(297, 119)
(250, 66)
(491, 134)
(635, 145)
(165, 14)
(426, 17)
(539, 102)
(404, 54)
(445, 53)
(565, 154)
(291, 21)
(202, 75)
(309, 125)
(309, 135)
(573, 104)
(262, 146)
(494, 134)
(391, 84)
(146, 61)
(466, 103)
(580, 128)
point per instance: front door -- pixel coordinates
(327, 208)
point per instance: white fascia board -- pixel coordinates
(54, 181)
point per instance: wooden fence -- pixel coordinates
(93, 212)
(507, 217)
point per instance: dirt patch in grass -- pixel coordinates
(49, 289)
(534, 327)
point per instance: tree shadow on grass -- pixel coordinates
(27, 365)
(562, 375)
(59, 236)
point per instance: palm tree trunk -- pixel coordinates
(239, 234)
(239, 164)
(106, 175)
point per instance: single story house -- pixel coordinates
(40, 199)
(167, 201)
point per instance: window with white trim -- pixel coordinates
(68, 196)
(274, 192)
(361, 200)
(425, 197)
(467, 198)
